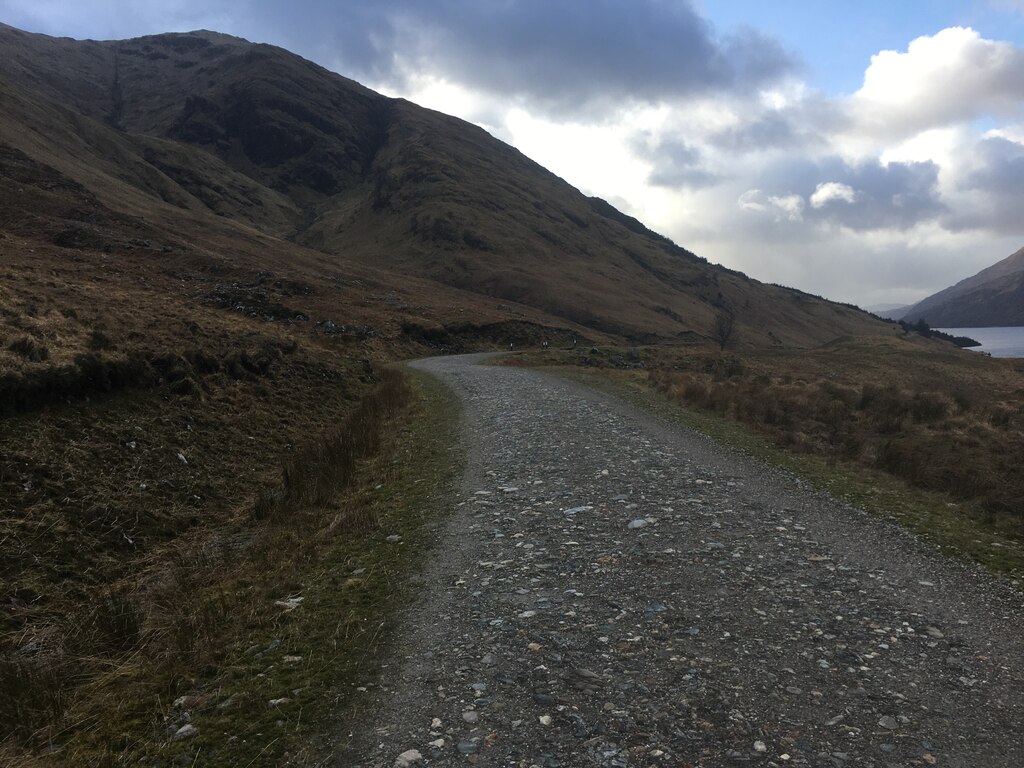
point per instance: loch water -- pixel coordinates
(998, 342)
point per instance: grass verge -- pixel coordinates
(252, 648)
(956, 528)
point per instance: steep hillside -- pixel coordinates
(236, 137)
(993, 297)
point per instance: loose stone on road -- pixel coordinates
(611, 590)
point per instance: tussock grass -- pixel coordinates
(320, 470)
(134, 450)
(927, 438)
(95, 372)
(29, 349)
(139, 641)
(916, 431)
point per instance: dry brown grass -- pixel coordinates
(135, 639)
(153, 386)
(939, 419)
(139, 421)
(320, 470)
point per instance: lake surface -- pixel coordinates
(998, 342)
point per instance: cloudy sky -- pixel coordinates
(870, 152)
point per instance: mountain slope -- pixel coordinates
(888, 311)
(257, 137)
(992, 297)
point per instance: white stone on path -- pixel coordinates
(408, 758)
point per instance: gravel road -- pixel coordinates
(612, 590)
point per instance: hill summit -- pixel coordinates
(993, 297)
(204, 133)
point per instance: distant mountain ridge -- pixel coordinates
(889, 311)
(240, 134)
(992, 297)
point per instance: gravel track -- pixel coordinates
(612, 590)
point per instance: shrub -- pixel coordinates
(1000, 416)
(847, 395)
(29, 349)
(202, 362)
(171, 366)
(928, 407)
(965, 399)
(946, 442)
(114, 624)
(33, 691)
(99, 341)
(695, 391)
(320, 470)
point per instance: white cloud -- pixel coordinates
(789, 206)
(953, 76)
(1008, 132)
(828, 191)
(752, 200)
(781, 207)
(596, 158)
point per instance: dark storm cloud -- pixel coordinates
(998, 186)
(675, 163)
(806, 123)
(757, 58)
(573, 54)
(575, 59)
(896, 195)
(1002, 168)
(772, 131)
(876, 196)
